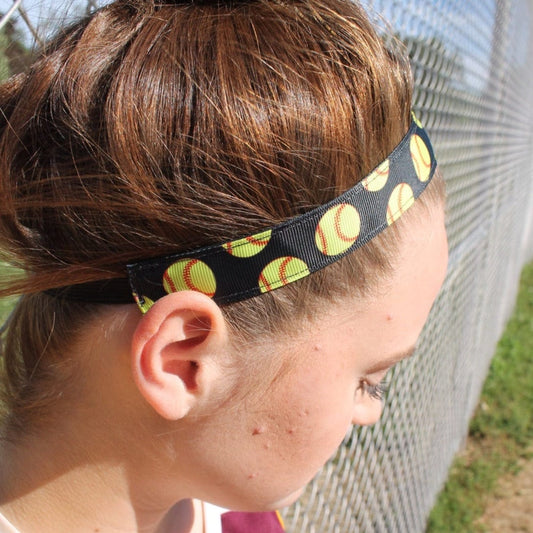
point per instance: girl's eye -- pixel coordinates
(376, 392)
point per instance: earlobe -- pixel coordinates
(175, 349)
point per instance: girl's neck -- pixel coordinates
(51, 486)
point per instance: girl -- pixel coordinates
(165, 168)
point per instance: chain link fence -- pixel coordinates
(472, 61)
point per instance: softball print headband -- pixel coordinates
(275, 257)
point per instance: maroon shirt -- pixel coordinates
(234, 522)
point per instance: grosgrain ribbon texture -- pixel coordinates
(272, 258)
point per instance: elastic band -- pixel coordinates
(108, 291)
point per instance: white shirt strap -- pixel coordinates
(6, 526)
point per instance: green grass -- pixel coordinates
(6, 304)
(5, 307)
(501, 431)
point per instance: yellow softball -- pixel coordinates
(421, 158)
(146, 303)
(282, 271)
(378, 178)
(338, 229)
(190, 274)
(401, 199)
(248, 246)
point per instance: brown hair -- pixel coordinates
(146, 129)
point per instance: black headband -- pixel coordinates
(277, 256)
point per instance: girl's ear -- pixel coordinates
(177, 348)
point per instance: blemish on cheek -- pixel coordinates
(253, 475)
(388, 317)
(290, 431)
(316, 348)
(304, 413)
(258, 430)
(266, 446)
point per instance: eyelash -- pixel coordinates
(376, 392)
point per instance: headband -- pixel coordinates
(292, 250)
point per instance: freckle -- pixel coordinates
(258, 430)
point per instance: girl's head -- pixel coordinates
(152, 128)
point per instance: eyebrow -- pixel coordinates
(391, 361)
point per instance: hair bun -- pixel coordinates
(161, 3)
(218, 3)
